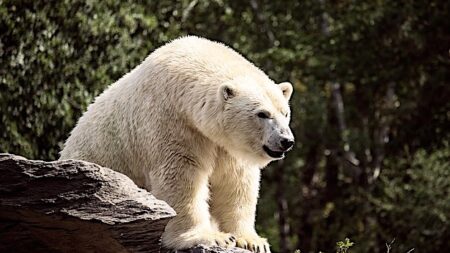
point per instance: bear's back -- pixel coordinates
(199, 58)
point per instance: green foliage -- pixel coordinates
(390, 59)
(414, 201)
(343, 246)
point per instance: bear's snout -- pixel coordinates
(280, 145)
(287, 144)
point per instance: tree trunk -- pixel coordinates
(282, 206)
(304, 228)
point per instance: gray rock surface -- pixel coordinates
(204, 249)
(75, 206)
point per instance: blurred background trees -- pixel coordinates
(371, 109)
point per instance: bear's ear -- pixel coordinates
(227, 91)
(287, 89)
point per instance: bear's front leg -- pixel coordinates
(186, 190)
(234, 194)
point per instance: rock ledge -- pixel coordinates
(75, 206)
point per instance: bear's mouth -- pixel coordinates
(272, 153)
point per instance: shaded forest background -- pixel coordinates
(371, 110)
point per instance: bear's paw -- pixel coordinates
(206, 238)
(253, 242)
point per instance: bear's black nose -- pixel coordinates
(287, 143)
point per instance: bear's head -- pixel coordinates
(256, 118)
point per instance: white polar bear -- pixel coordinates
(194, 123)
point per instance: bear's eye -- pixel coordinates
(263, 115)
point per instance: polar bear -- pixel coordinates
(194, 124)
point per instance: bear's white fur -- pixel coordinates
(192, 124)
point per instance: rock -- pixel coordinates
(75, 206)
(204, 249)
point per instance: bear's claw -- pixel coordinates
(194, 238)
(224, 239)
(253, 243)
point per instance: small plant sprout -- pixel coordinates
(343, 246)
